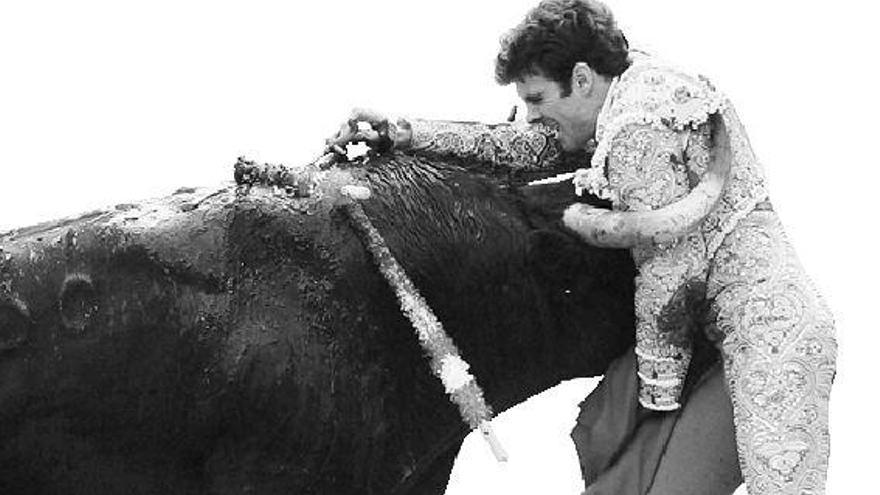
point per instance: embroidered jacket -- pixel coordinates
(510, 146)
(654, 141)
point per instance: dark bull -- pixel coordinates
(242, 341)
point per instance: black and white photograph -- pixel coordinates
(571, 247)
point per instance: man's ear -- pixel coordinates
(582, 78)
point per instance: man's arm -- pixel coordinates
(642, 162)
(510, 146)
(648, 171)
(507, 146)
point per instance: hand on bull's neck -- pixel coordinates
(374, 128)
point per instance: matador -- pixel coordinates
(693, 228)
(688, 199)
(697, 228)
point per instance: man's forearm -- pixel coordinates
(512, 146)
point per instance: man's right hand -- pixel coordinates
(372, 128)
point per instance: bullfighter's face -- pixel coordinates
(574, 113)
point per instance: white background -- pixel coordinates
(109, 102)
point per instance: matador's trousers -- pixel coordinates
(778, 352)
(779, 357)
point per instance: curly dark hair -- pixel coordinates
(556, 35)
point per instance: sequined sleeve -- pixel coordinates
(512, 146)
(648, 168)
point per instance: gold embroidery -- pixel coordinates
(780, 356)
(532, 147)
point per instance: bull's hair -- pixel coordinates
(556, 35)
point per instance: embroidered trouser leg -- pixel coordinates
(779, 358)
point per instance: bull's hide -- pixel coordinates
(240, 340)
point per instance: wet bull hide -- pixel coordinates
(241, 340)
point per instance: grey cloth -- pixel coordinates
(625, 449)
